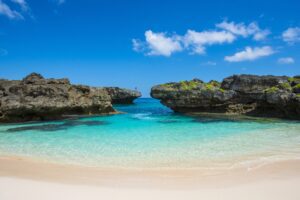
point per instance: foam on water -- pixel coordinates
(150, 135)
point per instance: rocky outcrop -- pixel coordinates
(269, 96)
(37, 98)
(122, 95)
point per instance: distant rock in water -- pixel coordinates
(122, 95)
(36, 98)
(267, 96)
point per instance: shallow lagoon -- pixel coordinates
(150, 135)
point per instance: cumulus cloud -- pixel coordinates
(243, 30)
(250, 54)
(261, 35)
(158, 44)
(198, 40)
(291, 35)
(8, 12)
(161, 44)
(287, 60)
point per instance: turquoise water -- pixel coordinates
(150, 135)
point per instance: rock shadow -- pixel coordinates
(56, 127)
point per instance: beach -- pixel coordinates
(27, 179)
(149, 100)
(150, 153)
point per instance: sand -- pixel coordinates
(28, 179)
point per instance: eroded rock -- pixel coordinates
(37, 98)
(122, 95)
(270, 96)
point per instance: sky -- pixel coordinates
(139, 43)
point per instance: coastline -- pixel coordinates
(34, 169)
(273, 181)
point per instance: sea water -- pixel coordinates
(149, 135)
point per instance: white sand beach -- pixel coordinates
(31, 180)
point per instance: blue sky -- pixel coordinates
(142, 43)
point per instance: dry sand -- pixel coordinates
(35, 180)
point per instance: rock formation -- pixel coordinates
(269, 96)
(37, 98)
(122, 95)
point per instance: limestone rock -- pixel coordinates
(122, 95)
(270, 96)
(37, 98)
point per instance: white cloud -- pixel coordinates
(287, 60)
(198, 40)
(291, 35)
(8, 12)
(250, 54)
(161, 44)
(237, 29)
(22, 3)
(138, 45)
(244, 30)
(158, 44)
(261, 35)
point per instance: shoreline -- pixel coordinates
(36, 170)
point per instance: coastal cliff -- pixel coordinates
(122, 95)
(267, 96)
(35, 98)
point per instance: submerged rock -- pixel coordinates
(270, 96)
(36, 98)
(122, 95)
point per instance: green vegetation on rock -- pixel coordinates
(209, 86)
(285, 86)
(221, 90)
(272, 89)
(167, 85)
(297, 86)
(182, 85)
(214, 83)
(292, 79)
(188, 85)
